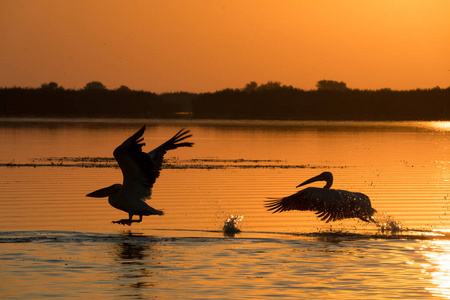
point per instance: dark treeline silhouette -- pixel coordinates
(331, 101)
(92, 101)
(286, 103)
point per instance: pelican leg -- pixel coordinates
(128, 221)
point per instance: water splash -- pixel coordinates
(231, 225)
(387, 223)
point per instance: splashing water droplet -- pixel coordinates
(387, 223)
(231, 225)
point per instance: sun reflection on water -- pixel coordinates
(440, 125)
(438, 255)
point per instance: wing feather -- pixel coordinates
(308, 199)
(140, 170)
(157, 154)
(329, 204)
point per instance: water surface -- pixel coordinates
(56, 242)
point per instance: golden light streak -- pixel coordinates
(439, 259)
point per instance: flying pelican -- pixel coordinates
(140, 171)
(329, 204)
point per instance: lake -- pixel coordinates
(55, 242)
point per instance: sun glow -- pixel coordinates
(440, 125)
(202, 46)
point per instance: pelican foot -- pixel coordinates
(123, 222)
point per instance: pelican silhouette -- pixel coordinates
(329, 204)
(140, 171)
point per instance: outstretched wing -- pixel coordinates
(157, 154)
(307, 199)
(135, 166)
(141, 169)
(329, 204)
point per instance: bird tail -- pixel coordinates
(371, 218)
(153, 211)
(368, 217)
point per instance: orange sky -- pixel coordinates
(201, 46)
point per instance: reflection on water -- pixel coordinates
(136, 272)
(437, 253)
(136, 266)
(234, 166)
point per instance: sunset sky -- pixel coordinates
(204, 45)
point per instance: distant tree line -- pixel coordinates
(94, 100)
(331, 101)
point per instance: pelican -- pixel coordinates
(329, 204)
(140, 170)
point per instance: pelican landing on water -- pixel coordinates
(140, 171)
(329, 204)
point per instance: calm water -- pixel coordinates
(55, 242)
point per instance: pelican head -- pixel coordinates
(105, 192)
(325, 176)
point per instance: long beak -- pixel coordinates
(104, 192)
(311, 180)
